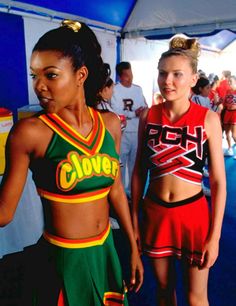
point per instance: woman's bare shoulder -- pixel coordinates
(113, 126)
(212, 123)
(212, 118)
(29, 133)
(28, 126)
(111, 120)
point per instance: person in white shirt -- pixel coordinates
(128, 100)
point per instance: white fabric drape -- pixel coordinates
(27, 225)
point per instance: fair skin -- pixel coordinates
(60, 90)
(175, 81)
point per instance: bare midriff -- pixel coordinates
(76, 221)
(172, 189)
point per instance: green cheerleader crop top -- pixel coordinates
(76, 169)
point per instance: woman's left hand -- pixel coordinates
(136, 277)
(210, 253)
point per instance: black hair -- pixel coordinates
(122, 66)
(201, 82)
(216, 78)
(83, 48)
(107, 72)
(108, 81)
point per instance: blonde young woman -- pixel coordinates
(174, 139)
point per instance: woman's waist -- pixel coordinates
(154, 198)
(77, 243)
(230, 108)
(172, 190)
(76, 221)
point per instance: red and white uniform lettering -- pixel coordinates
(178, 148)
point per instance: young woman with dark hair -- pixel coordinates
(73, 152)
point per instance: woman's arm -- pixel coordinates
(19, 146)
(119, 202)
(139, 176)
(218, 187)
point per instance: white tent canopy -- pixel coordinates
(152, 21)
(168, 17)
(138, 20)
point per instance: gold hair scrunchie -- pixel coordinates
(178, 43)
(71, 24)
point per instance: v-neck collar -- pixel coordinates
(90, 144)
(74, 131)
(179, 120)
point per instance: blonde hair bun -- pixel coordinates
(185, 43)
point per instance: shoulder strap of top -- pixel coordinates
(154, 114)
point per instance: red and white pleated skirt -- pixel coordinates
(177, 229)
(230, 116)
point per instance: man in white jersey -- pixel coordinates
(128, 100)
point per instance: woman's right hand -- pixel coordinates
(136, 277)
(137, 235)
